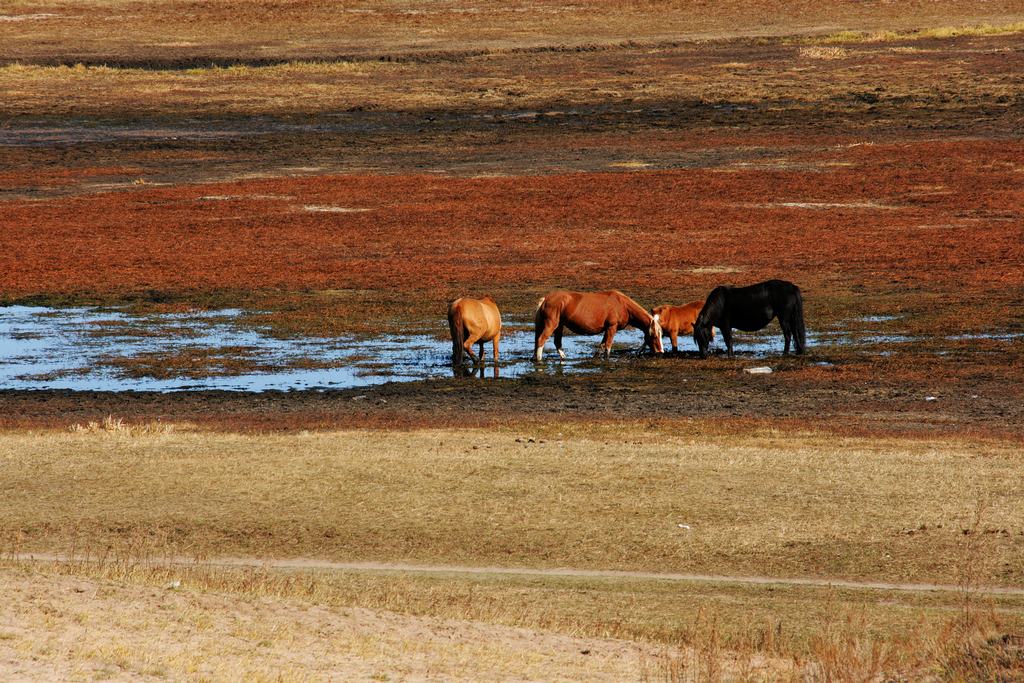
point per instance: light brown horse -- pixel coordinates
(678, 319)
(473, 321)
(591, 313)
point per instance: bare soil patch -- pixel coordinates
(79, 628)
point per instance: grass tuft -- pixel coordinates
(938, 32)
(823, 52)
(118, 426)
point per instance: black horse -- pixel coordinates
(752, 308)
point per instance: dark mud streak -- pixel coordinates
(752, 46)
(671, 389)
(169, 149)
(219, 60)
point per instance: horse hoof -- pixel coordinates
(561, 354)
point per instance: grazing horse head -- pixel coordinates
(708, 316)
(702, 336)
(652, 336)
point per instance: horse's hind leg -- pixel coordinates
(674, 335)
(470, 341)
(496, 338)
(727, 338)
(787, 334)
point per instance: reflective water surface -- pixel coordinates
(112, 350)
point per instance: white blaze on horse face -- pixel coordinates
(655, 332)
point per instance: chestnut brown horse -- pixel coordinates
(678, 319)
(473, 321)
(591, 313)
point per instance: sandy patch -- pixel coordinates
(27, 17)
(321, 208)
(228, 197)
(61, 628)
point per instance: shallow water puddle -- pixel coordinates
(102, 350)
(93, 349)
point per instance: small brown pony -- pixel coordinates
(473, 321)
(678, 319)
(591, 313)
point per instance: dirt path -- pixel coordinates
(327, 565)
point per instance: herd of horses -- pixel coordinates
(751, 308)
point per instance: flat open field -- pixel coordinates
(903, 511)
(599, 498)
(219, 197)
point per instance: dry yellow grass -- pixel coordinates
(821, 52)
(605, 498)
(585, 496)
(920, 33)
(780, 619)
(134, 617)
(117, 425)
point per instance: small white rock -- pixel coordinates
(759, 370)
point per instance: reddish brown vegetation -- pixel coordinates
(935, 217)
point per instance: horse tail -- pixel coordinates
(458, 334)
(538, 314)
(799, 330)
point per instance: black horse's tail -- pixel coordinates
(458, 335)
(799, 330)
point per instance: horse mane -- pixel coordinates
(635, 308)
(712, 307)
(540, 302)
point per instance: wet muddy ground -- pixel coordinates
(798, 394)
(66, 367)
